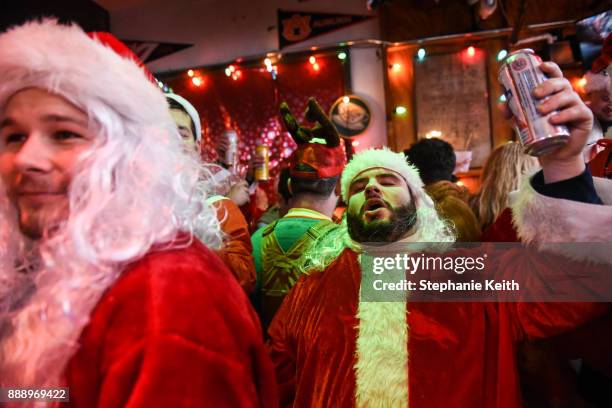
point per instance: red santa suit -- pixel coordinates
(330, 349)
(175, 330)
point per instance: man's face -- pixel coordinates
(601, 105)
(183, 122)
(380, 207)
(42, 137)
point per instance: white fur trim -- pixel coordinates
(191, 110)
(63, 60)
(596, 81)
(373, 158)
(542, 220)
(381, 369)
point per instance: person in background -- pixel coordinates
(503, 172)
(435, 160)
(109, 285)
(279, 209)
(598, 88)
(187, 120)
(314, 169)
(236, 249)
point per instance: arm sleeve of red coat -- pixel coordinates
(281, 345)
(544, 275)
(237, 249)
(183, 336)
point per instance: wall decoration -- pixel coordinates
(351, 115)
(452, 101)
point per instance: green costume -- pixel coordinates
(277, 250)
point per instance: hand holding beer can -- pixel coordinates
(520, 75)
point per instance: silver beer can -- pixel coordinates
(231, 154)
(519, 75)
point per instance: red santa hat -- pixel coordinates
(598, 79)
(94, 73)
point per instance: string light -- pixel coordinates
(433, 133)
(400, 110)
(471, 51)
(197, 81)
(397, 67)
(230, 70)
(236, 74)
(501, 55)
(578, 84)
(421, 54)
(502, 98)
(355, 143)
(190, 73)
(346, 100)
(342, 56)
(315, 66)
(312, 60)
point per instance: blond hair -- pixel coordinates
(505, 168)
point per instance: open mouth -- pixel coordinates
(374, 204)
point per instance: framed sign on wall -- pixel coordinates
(452, 102)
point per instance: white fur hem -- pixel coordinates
(544, 220)
(381, 368)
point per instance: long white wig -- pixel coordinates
(137, 187)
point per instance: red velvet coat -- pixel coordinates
(175, 330)
(459, 354)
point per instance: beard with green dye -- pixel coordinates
(402, 220)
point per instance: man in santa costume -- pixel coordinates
(332, 349)
(109, 285)
(598, 88)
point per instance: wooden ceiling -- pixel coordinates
(402, 20)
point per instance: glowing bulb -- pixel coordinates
(355, 143)
(400, 110)
(421, 54)
(460, 183)
(396, 67)
(228, 72)
(190, 73)
(316, 66)
(197, 81)
(268, 62)
(346, 99)
(502, 98)
(342, 56)
(471, 51)
(312, 60)
(433, 133)
(501, 55)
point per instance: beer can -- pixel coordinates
(231, 154)
(262, 167)
(519, 75)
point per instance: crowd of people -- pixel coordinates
(131, 273)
